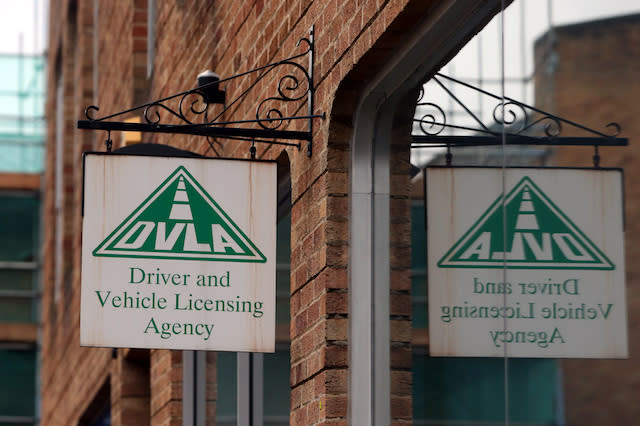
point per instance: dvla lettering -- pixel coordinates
(180, 220)
(221, 240)
(481, 249)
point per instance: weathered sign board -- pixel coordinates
(178, 253)
(552, 248)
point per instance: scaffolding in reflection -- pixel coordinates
(22, 121)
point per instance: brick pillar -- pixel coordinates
(166, 388)
(319, 306)
(130, 390)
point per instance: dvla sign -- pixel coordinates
(164, 227)
(178, 253)
(539, 235)
(551, 247)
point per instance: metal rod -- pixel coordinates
(19, 294)
(461, 141)
(459, 102)
(453, 126)
(523, 47)
(27, 266)
(504, 208)
(186, 92)
(311, 91)
(480, 73)
(194, 130)
(223, 123)
(243, 139)
(534, 140)
(510, 100)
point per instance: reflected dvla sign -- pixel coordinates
(178, 253)
(537, 271)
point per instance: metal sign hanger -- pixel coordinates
(201, 111)
(523, 125)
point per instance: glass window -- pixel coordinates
(276, 387)
(18, 384)
(18, 309)
(418, 266)
(227, 406)
(103, 419)
(19, 219)
(462, 391)
(19, 230)
(283, 255)
(470, 390)
(22, 124)
(275, 366)
(18, 279)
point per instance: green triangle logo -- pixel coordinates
(538, 236)
(180, 220)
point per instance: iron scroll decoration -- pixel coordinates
(524, 125)
(200, 111)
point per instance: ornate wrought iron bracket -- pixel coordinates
(201, 111)
(523, 125)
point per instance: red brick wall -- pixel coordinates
(354, 38)
(596, 83)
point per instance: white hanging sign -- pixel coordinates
(552, 248)
(178, 253)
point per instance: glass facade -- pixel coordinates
(19, 304)
(22, 133)
(462, 391)
(275, 366)
(22, 124)
(19, 230)
(18, 385)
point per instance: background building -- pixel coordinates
(21, 162)
(595, 82)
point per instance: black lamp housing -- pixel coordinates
(207, 85)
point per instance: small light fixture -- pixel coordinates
(208, 86)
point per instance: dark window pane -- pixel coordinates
(458, 391)
(18, 227)
(283, 254)
(472, 389)
(226, 409)
(18, 384)
(17, 309)
(276, 388)
(104, 418)
(17, 279)
(418, 265)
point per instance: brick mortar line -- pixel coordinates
(326, 291)
(313, 277)
(309, 329)
(326, 316)
(313, 376)
(324, 343)
(308, 188)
